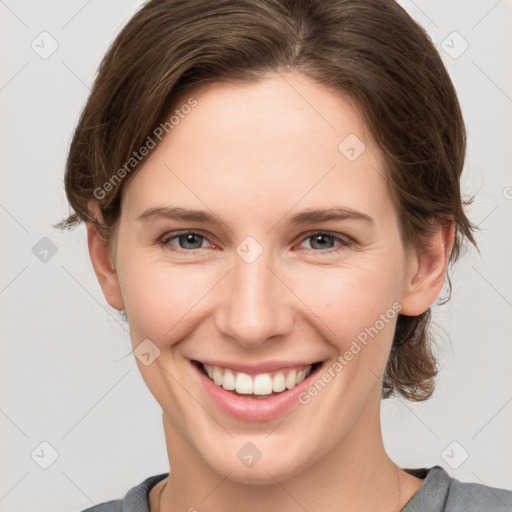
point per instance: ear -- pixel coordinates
(427, 270)
(102, 262)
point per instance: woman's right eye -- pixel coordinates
(187, 241)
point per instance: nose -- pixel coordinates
(257, 305)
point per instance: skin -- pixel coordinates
(254, 155)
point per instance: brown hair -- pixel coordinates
(371, 52)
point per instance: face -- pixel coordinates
(266, 280)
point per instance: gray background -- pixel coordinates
(63, 377)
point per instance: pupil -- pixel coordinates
(321, 237)
(189, 238)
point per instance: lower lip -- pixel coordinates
(254, 409)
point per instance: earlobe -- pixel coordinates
(427, 270)
(103, 267)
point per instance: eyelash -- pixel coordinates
(164, 242)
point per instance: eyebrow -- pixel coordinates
(304, 217)
(176, 213)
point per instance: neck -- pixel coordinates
(356, 474)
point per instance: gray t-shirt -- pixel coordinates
(438, 493)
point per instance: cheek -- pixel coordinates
(348, 300)
(161, 300)
(357, 310)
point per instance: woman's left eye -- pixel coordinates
(320, 240)
(323, 241)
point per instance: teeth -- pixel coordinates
(291, 379)
(244, 384)
(261, 384)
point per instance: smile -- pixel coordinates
(259, 384)
(244, 400)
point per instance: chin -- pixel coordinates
(261, 473)
(275, 463)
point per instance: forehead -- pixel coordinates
(276, 109)
(275, 142)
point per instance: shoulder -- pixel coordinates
(442, 493)
(474, 497)
(136, 499)
(108, 506)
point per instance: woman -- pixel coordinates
(272, 196)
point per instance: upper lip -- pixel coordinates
(264, 367)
